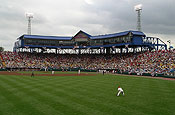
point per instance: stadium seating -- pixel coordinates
(159, 62)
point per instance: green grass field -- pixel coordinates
(85, 95)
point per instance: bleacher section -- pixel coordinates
(160, 62)
(130, 52)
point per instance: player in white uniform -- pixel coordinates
(79, 71)
(53, 72)
(120, 90)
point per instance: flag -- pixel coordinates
(44, 48)
(75, 47)
(58, 48)
(26, 47)
(113, 48)
(127, 45)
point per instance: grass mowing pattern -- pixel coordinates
(85, 95)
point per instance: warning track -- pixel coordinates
(29, 74)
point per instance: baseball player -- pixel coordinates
(53, 72)
(32, 75)
(120, 90)
(79, 71)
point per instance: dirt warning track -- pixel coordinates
(29, 74)
(76, 74)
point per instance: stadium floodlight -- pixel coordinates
(29, 16)
(138, 9)
(169, 41)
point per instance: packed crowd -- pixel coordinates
(162, 61)
(40, 60)
(1, 66)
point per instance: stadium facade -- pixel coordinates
(82, 43)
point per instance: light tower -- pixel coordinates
(29, 16)
(169, 41)
(138, 9)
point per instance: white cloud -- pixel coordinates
(89, 1)
(67, 17)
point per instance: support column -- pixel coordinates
(121, 51)
(56, 51)
(157, 43)
(107, 50)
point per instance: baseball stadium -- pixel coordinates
(79, 75)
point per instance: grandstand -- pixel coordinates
(128, 52)
(81, 43)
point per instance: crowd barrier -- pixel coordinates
(70, 69)
(172, 75)
(149, 74)
(3, 69)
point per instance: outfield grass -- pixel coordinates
(85, 95)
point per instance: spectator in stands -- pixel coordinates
(159, 62)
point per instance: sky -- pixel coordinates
(96, 17)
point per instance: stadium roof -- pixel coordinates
(83, 33)
(46, 37)
(91, 37)
(118, 34)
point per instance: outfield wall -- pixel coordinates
(171, 75)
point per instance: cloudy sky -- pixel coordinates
(96, 17)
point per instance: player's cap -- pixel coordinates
(118, 86)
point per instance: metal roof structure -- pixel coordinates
(118, 34)
(83, 33)
(91, 37)
(46, 37)
(82, 40)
